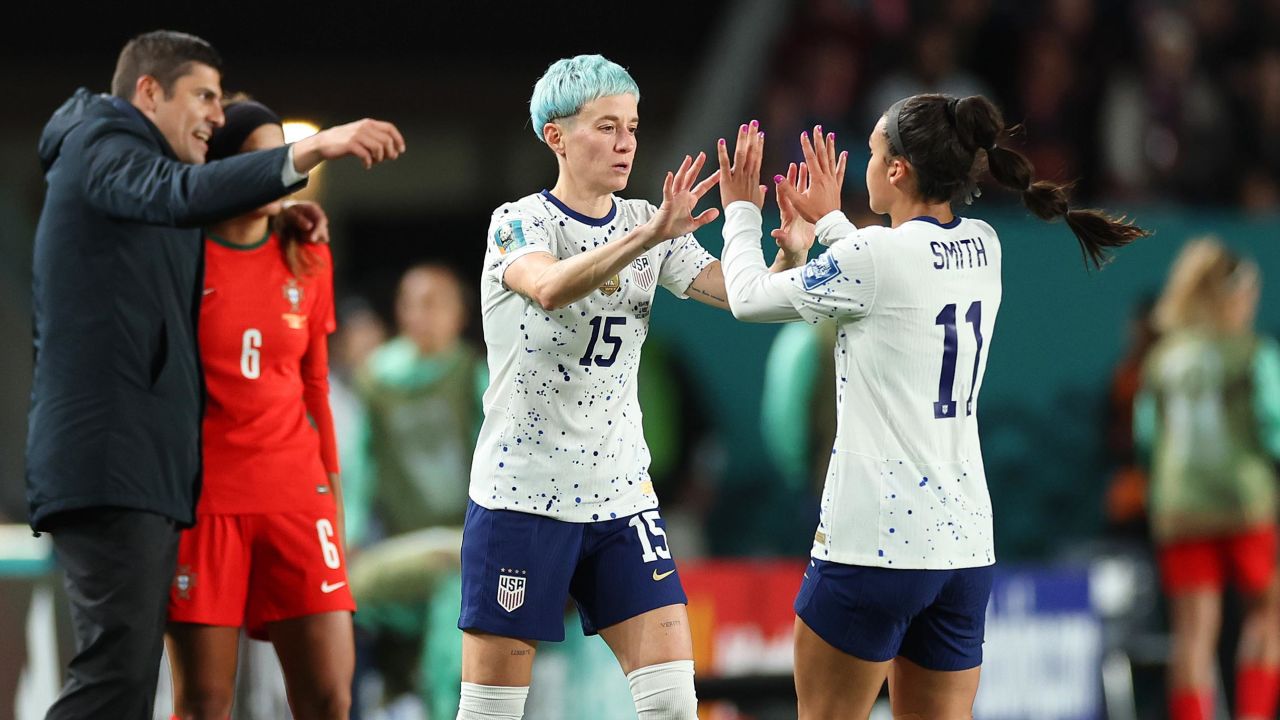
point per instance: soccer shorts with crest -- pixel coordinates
(251, 570)
(519, 571)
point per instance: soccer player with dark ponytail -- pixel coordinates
(901, 564)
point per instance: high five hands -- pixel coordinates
(679, 196)
(825, 177)
(741, 181)
(805, 194)
(794, 235)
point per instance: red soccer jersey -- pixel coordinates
(263, 336)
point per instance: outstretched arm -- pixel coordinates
(794, 238)
(370, 141)
(554, 283)
(753, 293)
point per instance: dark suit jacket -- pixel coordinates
(117, 397)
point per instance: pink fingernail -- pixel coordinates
(833, 136)
(721, 141)
(761, 134)
(743, 128)
(804, 135)
(778, 178)
(818, 129)
(755, 123)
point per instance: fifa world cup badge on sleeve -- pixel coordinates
(509, 237)
(294, 318)
(184, 580)
(511, 588)
(820, 271)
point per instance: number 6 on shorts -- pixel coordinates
(324, 529)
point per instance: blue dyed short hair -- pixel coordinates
(573, 82)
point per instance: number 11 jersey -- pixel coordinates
(915, 308)
(562, 434)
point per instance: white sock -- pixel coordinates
(491, 702)
(664, 691)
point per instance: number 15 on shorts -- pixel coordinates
(657, 547)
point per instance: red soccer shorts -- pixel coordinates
(1203, 563)
(251, 570)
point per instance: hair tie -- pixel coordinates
(891, 128)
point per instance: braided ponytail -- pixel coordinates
(942, 136)
(979, 125)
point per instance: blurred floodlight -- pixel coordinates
(295, 130)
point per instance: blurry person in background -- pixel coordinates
(421, 393)
(1126, 500)
(934, 66)
(797, 408)
(1260, 183)
(266, 550)
(1209, 415)
(360, 332)
(1166, 124)
(113, 441)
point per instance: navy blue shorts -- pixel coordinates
(934, 618)
(519, 571)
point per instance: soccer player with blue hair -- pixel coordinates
(561, 504)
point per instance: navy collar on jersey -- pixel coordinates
(584, 219)
(955, 220)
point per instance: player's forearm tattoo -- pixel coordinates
(704, 293)
(670, 623)
(521, 652)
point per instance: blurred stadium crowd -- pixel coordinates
(1142, 101)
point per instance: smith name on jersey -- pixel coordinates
(562, 435)
(914, 309)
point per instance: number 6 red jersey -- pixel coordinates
(268, 432)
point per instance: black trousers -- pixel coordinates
(118, 565)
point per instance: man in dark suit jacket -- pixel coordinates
(113, 450)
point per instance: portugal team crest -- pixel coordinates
(293, 293)
(642, 273)
(511, 589)
(184, 580)
(611, 286)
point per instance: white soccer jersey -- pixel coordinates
(561, 434)
(915, 308)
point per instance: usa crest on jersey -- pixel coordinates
(511, 590)
(642, 273)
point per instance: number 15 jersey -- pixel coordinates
(562, 435)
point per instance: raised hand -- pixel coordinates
(826, 176)
(370, 141)
(679, 196)
(741, 181)
(304, 219)
(795, 234)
